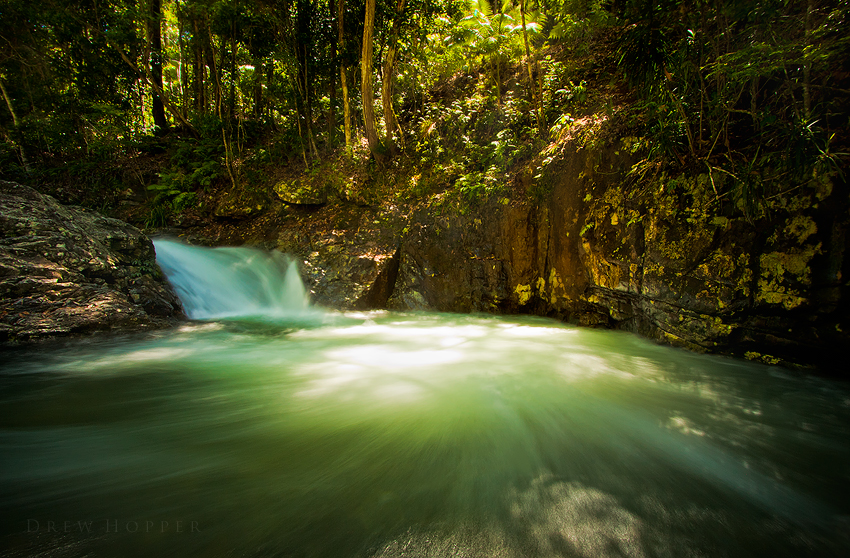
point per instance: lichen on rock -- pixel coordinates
(66, 270)
(298, 191)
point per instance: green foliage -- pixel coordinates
(471, 144)
(739, 89)
(487, 36)
(573, 22)
(184, 201)
(194, 165)
(754, 92)
(158, 216)
(644, 54)
(69, 89)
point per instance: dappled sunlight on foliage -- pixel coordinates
(755, 95)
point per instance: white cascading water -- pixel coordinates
(231, 282)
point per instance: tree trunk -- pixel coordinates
(155, 42)
(343, 76)
(332, 84)
(269, 79)
(394, 133)
(807, 67)
(258, 88)
(308, 102)
(182, 74)
(375, 145)
(214, 69)
(535, 98)
(494, 62)
(146, 77)
(298, 113)
(346, 103)
(231, 109)
(332, 114)
(303, 48)
(199, 69)
(16, 123)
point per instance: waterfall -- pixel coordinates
(232, 282)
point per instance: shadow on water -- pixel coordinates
(382, 434)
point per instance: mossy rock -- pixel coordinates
(238, 204)
(298, 192)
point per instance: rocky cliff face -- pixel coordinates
(69, 270)
(661, 257)
(598, 243)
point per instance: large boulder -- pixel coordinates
(346, 273)
(69, 270)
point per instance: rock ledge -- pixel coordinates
(67, 270)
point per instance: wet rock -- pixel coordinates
(346, 273)
(69, 270)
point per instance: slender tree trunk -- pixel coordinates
(9, 105)
(231, 109)
(269, 79)
(807, 67)
(182, 74)
(199, 69)
(535, 98)
(258, 87)
(702, 89)
(332, 114)
(540, 114)
(299, 104)
(145, 76)
(154, 33)
(343, 76)
(332, 83)
(303, 47)
(16, 123)
(495, 63)
(494, 60)
(394, 132)
(308, 101)
(214, 67)
(375, 145)
(214, 70)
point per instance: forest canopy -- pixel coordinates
(755, 92)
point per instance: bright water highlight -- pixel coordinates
(382, 434)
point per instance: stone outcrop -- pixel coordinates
(661, 257)
(299, 191)
(66, 270)
(238, 204)
(356, 272)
